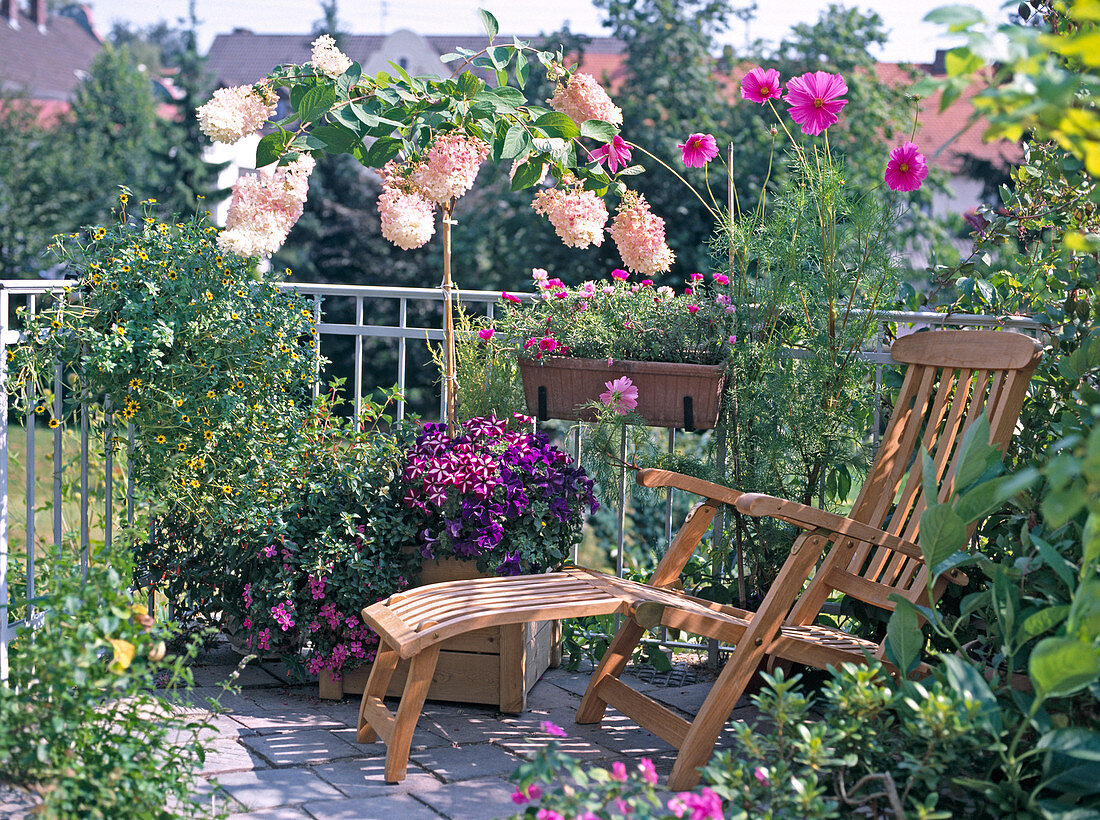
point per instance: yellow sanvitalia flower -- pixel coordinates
(161, 439)
(54, 424)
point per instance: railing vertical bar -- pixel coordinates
(29, 473)
(402, 354)
(668, 515)
(109, 473)
(84, 447)
(5, 619)
(358, 355)
(316, 345)
(877, 393)
(129, 475)
(58, 456)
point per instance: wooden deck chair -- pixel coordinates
(952, 377)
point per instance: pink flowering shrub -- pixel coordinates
(582, 98)
(621, 319)
(640, 237)
(265, 206)
(449, 166)
(234, 113)
(578, 216)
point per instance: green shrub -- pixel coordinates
(84, 718)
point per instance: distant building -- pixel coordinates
(45, 55)
(243, 57)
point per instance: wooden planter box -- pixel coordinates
(670, 394)
(496, 666)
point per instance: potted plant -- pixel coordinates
(673, 347)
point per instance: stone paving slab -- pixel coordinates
(281, 753)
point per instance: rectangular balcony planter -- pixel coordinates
(670, 394)
(496, 666)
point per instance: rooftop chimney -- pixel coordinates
(9, 10)
(39, 12)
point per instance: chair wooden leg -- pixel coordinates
(379, 681)
(611, 665)
(419, 681)
(712, 716)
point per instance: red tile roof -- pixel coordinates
(48, 64)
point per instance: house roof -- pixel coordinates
(48, 64)
(242, 58)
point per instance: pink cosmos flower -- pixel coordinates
(616, 152)
(621, 396)
(815, 100)
(906, 169)
(578, 216)
(486, 334)
(640, 237)
(759, 86)
(582, 99)
(698, 150)
(619, 274)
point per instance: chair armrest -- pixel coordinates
(811, 518)
(707, 489)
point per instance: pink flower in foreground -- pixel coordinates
(265, 207)
(233, 113)
(649, 772)
(552, 729)
(759, 86)
(698, 150)
(733, 340)
(578, 216)
(508, 297)
(616, 152)
(706, 805)
(582, 99)
(906, 169)
(693, 309)
(486, 334)
(761, 774)
(521, 796)
(622, 397)
(618, 771)
(548, 814)
(721, 279)
(640, 237)
(449, 166)
(620, 274)
(548, 344)
(815, 100)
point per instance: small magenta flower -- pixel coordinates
(759, 86)
(689, 291)
(696, 277)
(618, 771)
(721, 279)
(815, 100)
(906, 169)
(548, 814)
(619, 274)
(486, 334)
(693, 309)
(649, 772)
(552, 729)
(616, 153)
(508, 297)
(548, 344)
(521, 796)
(621, 395)
(733, 340)
(698, 150)
(761, 774)
(647, 283)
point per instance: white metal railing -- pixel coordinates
(30, 293)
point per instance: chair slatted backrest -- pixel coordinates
(952, 377)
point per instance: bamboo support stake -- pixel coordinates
(450, 380)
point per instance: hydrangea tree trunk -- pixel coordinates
(450, 380)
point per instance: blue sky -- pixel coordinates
(910, 38)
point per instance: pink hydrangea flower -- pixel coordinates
(640, 237)
(485, 334)
(698, 150)
(906, 169)
(449, 166)
(265, 206)
(815, 100)
(616, 153)
(233, 113)
(759, 86)
(621, 395)
(582, 99)
(578, 216)
(327, 59)
(408, 219)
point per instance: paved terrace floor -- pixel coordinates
(281, 753)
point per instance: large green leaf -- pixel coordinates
(904, 639)
(1061, 666)
(986, 497)
(975, 453)
(336, 138)
(316, 103)
(489, 23)
(469, 84)
(942, 533)
(382, 151)
(527, 174)
(1042, 621)
(516, 142)
(271, 147)
(1076, 741)
(967, 680)
(598, 130)
(556, 124)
